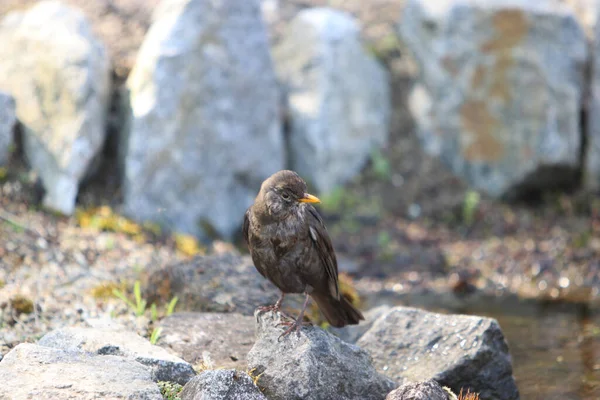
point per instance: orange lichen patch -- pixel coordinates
(511, 28)
(500, 88)
(188, 244)
(478, 77)
(480, 125)
(450, 65)
(527, 153)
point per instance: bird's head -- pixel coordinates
(283, 193)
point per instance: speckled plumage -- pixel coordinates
(290, 246)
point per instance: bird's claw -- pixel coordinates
(293, 326)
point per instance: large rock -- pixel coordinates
(59, 74)
(338, 97)
(224, 282)
(592, 161)
(352, 333)
(7, 123)
(315, 365)
(30, 371)
(457, 351)
(500, 94)
(220, 339)
(203, 127)
(164, 366)
(222, 385)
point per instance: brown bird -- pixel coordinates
(290, 246)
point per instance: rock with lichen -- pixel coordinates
(501, 89)
(59, 74)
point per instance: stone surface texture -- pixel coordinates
(313, 365)
(592, 160)
(501, 89)
(218, 339)
(30, 371)
(59, 75)
(164, 366)
(338, 99)
(8, 118)
(428, 390)
(458, 351)
(202, 121)
(217, 283)
(223, 384)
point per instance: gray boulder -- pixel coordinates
(223, 384)
(7, 123)
(352, 333)
(313, 365)
(338, 96)
(58, 73)
(500, 94)
(224, 282)
(428, 390)
(202, 125)
(30, 371)
(220, 339)
(163, 365)
(458, 351)
(592, 161)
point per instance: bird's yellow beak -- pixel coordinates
(309, 198)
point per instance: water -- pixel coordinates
(555, 350)
(555, 347)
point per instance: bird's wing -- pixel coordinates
(246, 233)
(322, 243)
(246, 226)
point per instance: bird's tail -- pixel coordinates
(338, 313)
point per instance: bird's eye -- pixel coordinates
(285, 196)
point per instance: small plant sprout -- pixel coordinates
(171, 306)
(381, 165)
(153, 312)
(139, 306)
(470, 205)
(155, 335)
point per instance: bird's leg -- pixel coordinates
(275, 307)
(298, 323)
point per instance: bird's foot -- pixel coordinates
(294, 325)
(274, 308)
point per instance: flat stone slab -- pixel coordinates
(30, 371)
(163, 365)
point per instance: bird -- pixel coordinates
(290, 246)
